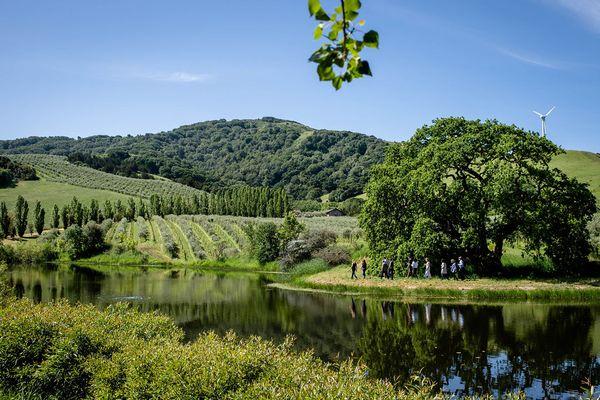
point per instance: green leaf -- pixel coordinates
(364, 68)
(371, 39)
(325, 72)
(314, 6)
(337, 82)
(352, 5)
(318, 31)
(321, 15)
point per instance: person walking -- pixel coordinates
(391, 269)
(415, 268)
(384, 268)
(427, 274)
(409, 267)
(462, 272)
(354, 270)
(453, 268)
(363, 266)
(444, 270)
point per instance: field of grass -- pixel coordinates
(338, 280)
(583, 165)
(50, 193)
(58, 169)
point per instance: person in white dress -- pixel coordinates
(427, 274)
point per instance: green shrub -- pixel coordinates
(34, 252)
(334, 255)
(70, 352)
(47, 350)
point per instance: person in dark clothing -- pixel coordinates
(391, 270)
(384, 268)
(354, 270)
(364, 268)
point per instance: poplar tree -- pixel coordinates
(5, 220)
(55, 217)
(39, 218)
(21, 214)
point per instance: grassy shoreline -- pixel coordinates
(337, 280)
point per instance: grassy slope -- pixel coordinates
(50, 193)
(582, 165)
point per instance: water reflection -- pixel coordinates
(545, 349)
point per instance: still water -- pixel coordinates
(545, 350)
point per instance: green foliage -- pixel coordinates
(264, 239)
(339, 59)
(333, 255)
(5, 220)
(55, 217)
(78, 242)
(6, 178)
(11, 172)
(594, 230)
(69, 352)
(267, 152)
(458, 187)
(289, 230)
(21, 214)
(39, 216)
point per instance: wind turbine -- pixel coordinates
(543, 118)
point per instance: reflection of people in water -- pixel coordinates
(363, 308)
(353, 309)
(427, 314)
(384, 310)
(443, 315)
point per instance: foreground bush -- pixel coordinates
(71, 352)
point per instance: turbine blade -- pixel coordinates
(538, 114)
(552, 109)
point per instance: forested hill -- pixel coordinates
(217, 154)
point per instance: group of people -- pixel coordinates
(456, 270)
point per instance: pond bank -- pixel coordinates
(337, 280)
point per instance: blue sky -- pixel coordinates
(78, 68)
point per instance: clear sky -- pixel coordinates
(79, 68)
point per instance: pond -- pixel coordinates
(546, 350)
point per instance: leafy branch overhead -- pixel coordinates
(339, 57)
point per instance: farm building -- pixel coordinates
(334, 212)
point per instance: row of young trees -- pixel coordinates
(239, 201)
(245, 201)
(16, 224)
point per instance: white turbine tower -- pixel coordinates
(543, 118)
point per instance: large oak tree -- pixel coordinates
(469, 187)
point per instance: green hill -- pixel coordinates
(582, 165)
(218, 154)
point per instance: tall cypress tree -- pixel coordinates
(5, 220)
(55, 217)
(65, 216)
(21, 214)
(94, 209)
(39, 217)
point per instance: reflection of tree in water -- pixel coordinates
(444, 342)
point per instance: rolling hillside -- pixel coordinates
(218, 154)
(583, 165)
(58, 169)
